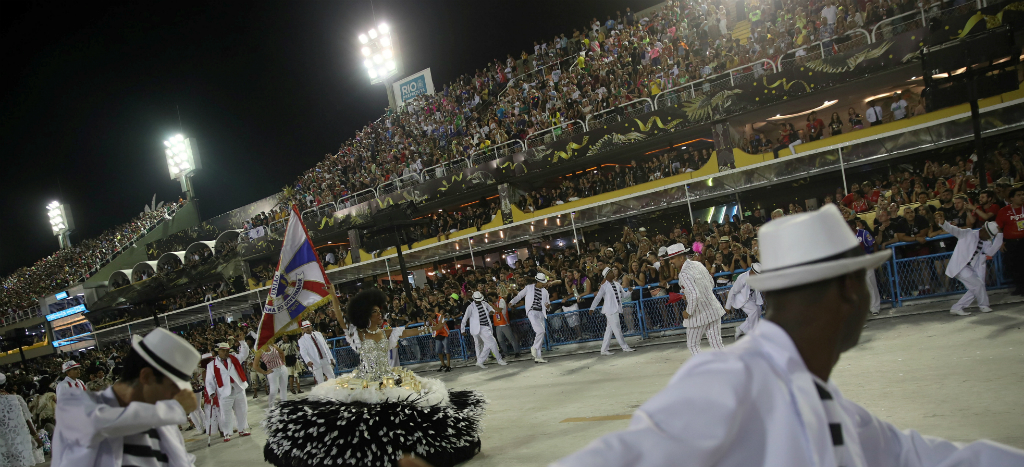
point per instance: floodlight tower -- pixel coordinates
(61, 223)
(183, 161)
(380, 57)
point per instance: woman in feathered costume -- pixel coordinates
(377, 413)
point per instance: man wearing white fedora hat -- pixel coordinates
(703, 313)
(968, 263)
(537, 302)
(479, 319)
(742, 297)
(316, 353)
(72, 370)
(225, 377)
(135, 421)
(611, 293)
(767, 400)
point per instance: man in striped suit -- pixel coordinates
(703, 313)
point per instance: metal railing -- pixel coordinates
(397, 184)
(555, 133)
(902, 23)
(619, 113)
(733, 76)
(496, 151)
(818, 50)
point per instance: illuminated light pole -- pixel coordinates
(61, 223)
(183, 161)
(379, 50)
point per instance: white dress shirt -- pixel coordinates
(606, 294)
(228, 373)
(874, 114)
(701, 303)
(756, 404)
(308, 344)
(69, 383)
(91, 427)
(966, 245)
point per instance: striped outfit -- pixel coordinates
(702, 305)
(143, 450)
(611, 294)
(834, 416)
(277, 377)
(537, 301)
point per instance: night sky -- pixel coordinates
(267, 88)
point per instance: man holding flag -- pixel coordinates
(300, 285)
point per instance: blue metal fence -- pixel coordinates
(899, 280)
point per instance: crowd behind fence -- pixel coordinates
(915, 278)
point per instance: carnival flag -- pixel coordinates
(299, 285)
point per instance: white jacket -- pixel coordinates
(472, 316)
(91, 427)
(966, 245)
(701, 303)
(741, 294)
(69, 383)
(527, 293)
(607, 295)
(307, 348)
(756, 404)
(227, 373)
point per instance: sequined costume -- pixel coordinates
(373, 415)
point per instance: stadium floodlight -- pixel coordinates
(182, 161)
(61, 222)
(380, 53)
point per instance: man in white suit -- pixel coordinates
(742, 297)
(134, 421)
(611, 294)
(973, 248)
(316, 353)
(72, 370)
(767, 400)
(479, 319)
(537, 302)
(225, 377)
(703, 313)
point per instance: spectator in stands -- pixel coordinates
(874, 112)
(1011, 221)
(899, 107)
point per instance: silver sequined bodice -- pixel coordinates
(373, 360)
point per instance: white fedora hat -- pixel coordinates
(676, 250)
(223, 346)
(169, 354)
(809, 247)
(478, 297)
(306, 324)
(542, 278)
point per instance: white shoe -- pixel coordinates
(629, 349)
(874, 312)
(607, 352)
(481, 365)
(985, 309)
(959, 312)
(502, 363)
(533, 352)
(539, 360)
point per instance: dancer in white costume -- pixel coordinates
(611, 293)
(478, 315)
(742, 297)
(973, 248)
(537, 303)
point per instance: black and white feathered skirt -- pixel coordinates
(341, 425)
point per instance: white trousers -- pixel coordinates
(322, 370)
(753, 316)
(278, 380)
(197, 415)
(537, 321)
(713, 331)
(613, 327)
(876, 298)
(212, 418)
(975, 282)
(234, 411)
(487, 344)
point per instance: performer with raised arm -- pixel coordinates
(479, 319)
(376, 413)
(968, 263)
(537, 302)
(611, 293)
(225, 377)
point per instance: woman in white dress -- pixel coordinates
(18, 437)
(373, 415)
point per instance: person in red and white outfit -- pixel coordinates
(316, 353)
(226, 378)
(72, 370)
(276, 373)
